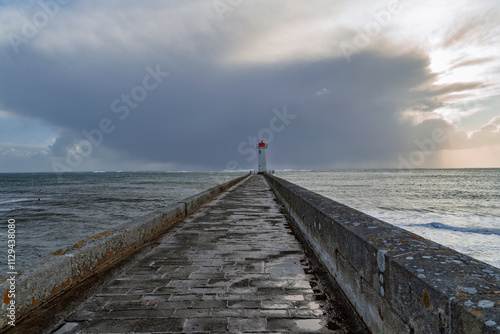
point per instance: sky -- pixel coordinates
(194, 85)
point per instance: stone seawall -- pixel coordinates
(66, 268)
(397, 281)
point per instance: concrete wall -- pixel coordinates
(397, 281)
(65, 268)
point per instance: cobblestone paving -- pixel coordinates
(232, 267)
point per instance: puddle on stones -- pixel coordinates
(294, 297)
(309, 324)
(285, 266)
(314, 306)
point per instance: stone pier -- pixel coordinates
(233, 266)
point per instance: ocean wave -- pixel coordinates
(487, 231)
(16, 200)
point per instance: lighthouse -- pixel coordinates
(262, 156)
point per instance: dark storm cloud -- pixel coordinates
(199, 114)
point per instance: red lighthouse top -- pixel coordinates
(262, 144)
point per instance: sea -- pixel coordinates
(55, 210)
(459, 208)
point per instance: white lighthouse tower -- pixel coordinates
(262, 156)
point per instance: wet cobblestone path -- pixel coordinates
(232, 267)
